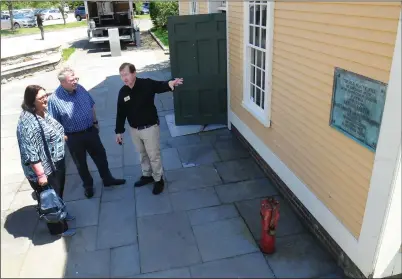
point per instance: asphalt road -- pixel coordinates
(29, 43)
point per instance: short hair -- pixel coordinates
(62, 74)
(29, 97)
(130, 66)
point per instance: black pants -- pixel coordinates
(57, 180)
(42, 32)
(89, 141)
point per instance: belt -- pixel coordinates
(81, 132)
(144, 127)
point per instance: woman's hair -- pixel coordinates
(29, 97)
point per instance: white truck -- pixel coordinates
(104, 15)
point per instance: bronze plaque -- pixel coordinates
(357, 107)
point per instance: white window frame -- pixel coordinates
(197, 8)
(215, 6)
(262, 115)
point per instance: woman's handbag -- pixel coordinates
(50, 206)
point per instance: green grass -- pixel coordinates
(142, 17)
(35, 30)
(67, 52)
(162, 35)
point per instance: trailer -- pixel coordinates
(104, 15)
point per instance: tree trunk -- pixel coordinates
(10, 10)
(61, 8)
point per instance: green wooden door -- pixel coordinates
(197, 46)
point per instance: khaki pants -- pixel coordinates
(147, 143)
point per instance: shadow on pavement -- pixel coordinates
(23, 223)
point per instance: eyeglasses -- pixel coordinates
(41, 99)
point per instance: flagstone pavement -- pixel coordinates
(205, 224)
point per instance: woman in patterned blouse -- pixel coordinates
(35, 163)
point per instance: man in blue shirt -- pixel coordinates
(73, 107)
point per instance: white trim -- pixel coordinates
(324, 216)
(219, 8)
(180, 7)
(197, 8)
(386, 158)
(392, 234)
(263, 116)
(227, 64)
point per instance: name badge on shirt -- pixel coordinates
(126, 98)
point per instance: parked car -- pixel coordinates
(145, 9)
(50, 14)
(21, 20)
(80, 13)
(5, 22)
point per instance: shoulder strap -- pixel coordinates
(46, 147)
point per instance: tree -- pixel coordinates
(10, 10)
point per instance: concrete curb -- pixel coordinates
(15, 57)
(51, 31)
(165, 49)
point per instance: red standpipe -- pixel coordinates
(269, 221)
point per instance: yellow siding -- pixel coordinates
(310, 39)
(203, 7)
(184, 7)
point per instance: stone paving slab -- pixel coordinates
(244, 266)
(166, 241)
(193, 199)
(192, 156)
(224, 239)
(239, 170)
(192, 178)
(149, 204)
(93, 264)
(245, 190)
(125, 261)
(117, 224)
(172, 273)
(211, 214)
(299, 256)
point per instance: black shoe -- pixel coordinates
(114, 182)
(158, 187)
(144, 180)
(89, 192)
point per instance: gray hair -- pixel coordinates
(62, 74)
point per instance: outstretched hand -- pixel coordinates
(175, 82)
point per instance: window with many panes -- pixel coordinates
(258, 54)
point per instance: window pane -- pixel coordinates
(264, 15)
(263, 38)
(257, 15)
(258, 58)
(263, 80)
(258, 96)
(253, 56)
(258, 78)
(252, 74)
(251, 10)
(251, 35)
(257, 37)
(263, 60)
(252, 92)
(262, 99)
